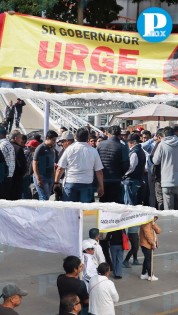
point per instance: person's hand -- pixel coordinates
(56, 188)
(100, 191)
(152, 246)
(39, 182)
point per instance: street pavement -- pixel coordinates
(37, 272)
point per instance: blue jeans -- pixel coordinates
(17, 119)
(131, 187)
(44, 192)
(117, 259)
(78, 192)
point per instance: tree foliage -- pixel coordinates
(100, 13)
(96, 12)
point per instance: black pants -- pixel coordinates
(105, 247)
(112, 192)
(134, 241)
(159, 195)
(147, 261)
(10, 122)
(16, 188)
(17, 119)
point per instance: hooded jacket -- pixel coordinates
(167, 155)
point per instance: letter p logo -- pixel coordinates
(154, 24)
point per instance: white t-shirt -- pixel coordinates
(98, 253)
(102, 296)
(80, 160)
(90, 267)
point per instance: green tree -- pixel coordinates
(96, 12)
(100, 13)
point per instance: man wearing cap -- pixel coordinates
(66, 140)
(134, 176)
(132, 183)
(94, 236)
(89, 262)
(79, 162)
(28, 179)
(12, 296)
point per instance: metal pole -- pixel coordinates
(46, 118)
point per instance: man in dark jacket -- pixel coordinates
(9, 114)
(18, 111)
(20, 165)
(114, 155)
(132, 183)
(134, 176)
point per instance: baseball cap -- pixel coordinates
(86, 244)
(67, 135)
(12, 289)
(32, 143)
(139, 128)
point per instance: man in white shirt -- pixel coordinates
(89, 263)
(94, 235)
(102, 292)
(79, 162)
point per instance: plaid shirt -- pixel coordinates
(9, 154)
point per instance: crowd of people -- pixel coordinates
(86, 288)
(129, 168)
(122, 167)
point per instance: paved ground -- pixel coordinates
(37, 272)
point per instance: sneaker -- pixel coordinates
(126, 264)
(136, 263)
(144, 277)
(153, 278)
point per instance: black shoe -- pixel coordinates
(126, 264)
(117, 277)
(136, 263)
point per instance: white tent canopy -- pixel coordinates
(153, 112)
(124, 97)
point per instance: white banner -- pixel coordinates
(112, 221)
(57, 227)
(49, 227)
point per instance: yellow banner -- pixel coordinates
(44, 51)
